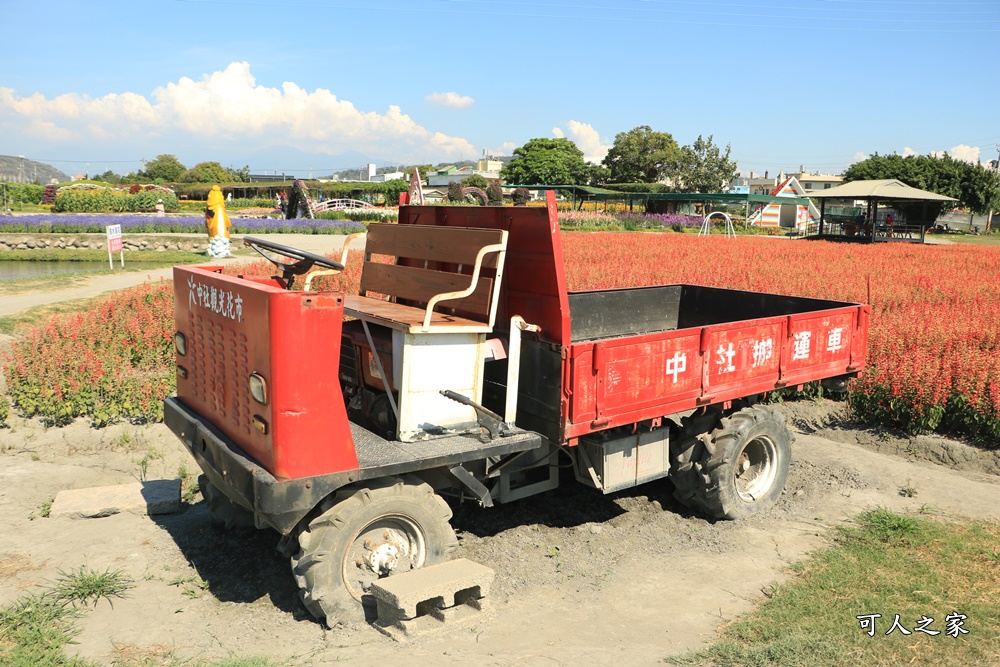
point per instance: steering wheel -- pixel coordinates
(304, 260)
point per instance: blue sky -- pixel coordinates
(307, 87)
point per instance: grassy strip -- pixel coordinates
(35, 630)
(984, 239)
(887, 564)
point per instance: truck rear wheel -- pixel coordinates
(363, 534)
(224, 512)
(737, 469)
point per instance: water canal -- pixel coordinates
(21, 270)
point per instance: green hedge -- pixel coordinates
(28, 193)
(386, 193)
(111, 200)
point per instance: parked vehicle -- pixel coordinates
(465, 368)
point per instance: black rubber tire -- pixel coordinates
(688, 442)
(328, 567)
(224, 512)
(737, 469)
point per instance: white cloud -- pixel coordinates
(506, 148)
(229, 106)
(965, 153)
(453, 100)
(586, 139)
(860, 156)
(960, 152)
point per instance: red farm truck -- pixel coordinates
(464, 368)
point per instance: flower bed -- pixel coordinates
(934, 347)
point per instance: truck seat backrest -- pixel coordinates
(431, 261)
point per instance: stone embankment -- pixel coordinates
(95, 242)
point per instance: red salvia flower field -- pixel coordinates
(934, 348)
(112, 361)
(933, 351)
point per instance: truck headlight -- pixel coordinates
(180, 344)
(258, 388)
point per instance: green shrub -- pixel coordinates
(101, 199)
(23, 193)
(455, 193)
(495, 193)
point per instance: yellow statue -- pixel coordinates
(217, 224)
(216, 220)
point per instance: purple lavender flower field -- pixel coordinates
(625, 221)
(133, 224)
(641, 220)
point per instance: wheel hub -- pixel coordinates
(383, 559)
(387, 545)
(756, 468)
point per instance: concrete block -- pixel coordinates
(461, 617)
(431, 598)
(160, 496)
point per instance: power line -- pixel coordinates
(47, 159)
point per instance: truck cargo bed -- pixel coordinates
(642, 353)
(637, 310)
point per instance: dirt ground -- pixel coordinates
(580, 577)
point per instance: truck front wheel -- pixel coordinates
(364, 534)
(738, 469)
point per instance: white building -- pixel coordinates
(489, 169)
(812, 182)
(387, 176)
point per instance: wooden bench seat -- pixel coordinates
(408, 318)
(442, 278)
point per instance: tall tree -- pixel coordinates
(109, 177)
(165, 168)
(703, 167)
(241, 175)
(475, 181)
(205, 172)
(641, 156)
(423, 169)
(547, 162)
(974, 186)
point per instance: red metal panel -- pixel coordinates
(625, 375)
(626, 380)
(736, 355)
(818, 342)
(583, 383)
(236, 327)
(860, 341)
